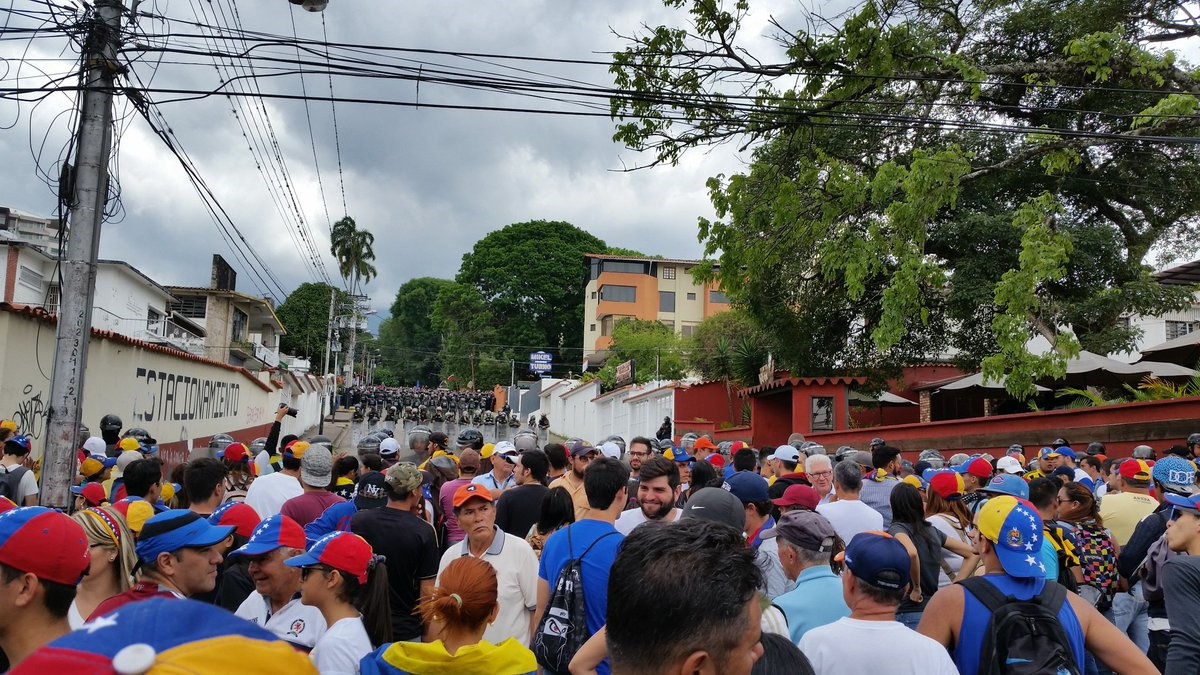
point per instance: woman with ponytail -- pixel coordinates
(113, 559)
(459, 609)
(343, 578)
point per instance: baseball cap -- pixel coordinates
(1048, 453)
(1015, 527)
(44, 543)
(947, 484)
(468, 459)
(1066, 451)
(863, 459)
(703, 444)
(978, 467)
(316, 466)
(470, 491)
(786, 453)
(716, 505)
(21, 442)
(272, 533)
(92, 493)
(1176, 474)
(8, 425)
(1007, 484)
(236, 452)
(242, 517)
(1009, 464)
(747, 487)
(129, 444)
(799, 495)
(1187, 503)
(137, 513)
(168, 491)
(95, 446)
(162, 635)
(296, 449)
(878, 559)
(343, 551)
(406, 477)
(608, 449)
(508, 451)
(1137, 469)
(91, 467)
(806, 529)
(916, 481)
(370, 494)
(578, 448)
(716, 460)
(389, 448)
(126, 459)
(439, 439)
(679, 454)
(172, 530)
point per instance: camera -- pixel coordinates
(291, 412)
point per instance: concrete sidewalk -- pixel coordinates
(337, 428)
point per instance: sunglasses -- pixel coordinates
(305, 571)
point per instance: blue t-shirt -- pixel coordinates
(976, 617)
(1050, 559)
(816, 601)
(595, 566)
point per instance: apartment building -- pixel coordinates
(651, 289)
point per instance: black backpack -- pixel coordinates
(1023, 637)
(10, 483)
(563, 628)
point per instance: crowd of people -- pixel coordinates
(440, 555)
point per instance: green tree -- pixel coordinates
(305, 316)
(653, 348)
(933, 174)
(465, 326)
(410, 344)
(531, 276)
(728, 347)
(354, 250)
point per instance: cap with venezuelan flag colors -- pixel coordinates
(1137, 469)
(1015, 527)
(343, 551)
(44, 543)
(166, 635)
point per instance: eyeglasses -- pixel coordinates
(639, 454)
(821, 473)
(305, 571)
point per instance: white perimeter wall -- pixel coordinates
(637, 411)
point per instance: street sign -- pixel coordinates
(540, 362)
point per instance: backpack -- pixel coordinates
(563, 628)
(1067, 558)
(1098, 560)
(1151, 569)
(1023, 637)
(10, 483)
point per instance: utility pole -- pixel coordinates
(325, 367)
(78, 264)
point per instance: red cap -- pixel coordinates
(716, 460)
(947, 484)
(343, 551)
(979, 467)
(6, 505)
(237, 452)
(44, 543)
(243, 518)
(799, 495)
(92, 493)
(1136, 469)
(471, 491)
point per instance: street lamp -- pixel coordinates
(311, 5)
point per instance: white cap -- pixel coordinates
(1009, 464)
(95, 447)
(786, 453)
(388, 447)
(610, 450)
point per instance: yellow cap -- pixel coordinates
(8, 425)
(130, 444)
(90, 467)
(487, 450)
(167, 492)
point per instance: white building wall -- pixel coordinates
(575, 411)
(1154, 329)
(123, 300)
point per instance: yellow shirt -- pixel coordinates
(1122, 512)
(574, 486)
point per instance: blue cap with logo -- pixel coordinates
(1015, 527)
(1175, 474)
(176, 529)
(878, 559)
(747, 487)
(1008, 484)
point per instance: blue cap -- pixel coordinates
(1047, 452)
(1066, 451)
(679, 454)
(1008, 484)
(275, 532)
(930, 472)
(747, 487)
(1191, 503)
(877, 559)
(20, 440)
(1015, 528)
(1176, 474)
(172, 530)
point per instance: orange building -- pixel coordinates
(651, 289)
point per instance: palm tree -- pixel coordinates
(354, 251)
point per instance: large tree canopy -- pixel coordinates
(409, 342)
(305, 316)
(932, 175)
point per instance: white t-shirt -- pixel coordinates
(74, 619)
(341, 648)
(850, 517)
(945, 523)
(830, 650)
(634, 517)
(268, 493)
(516, 576)
(27, 485)
(296, 623)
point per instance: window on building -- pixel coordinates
(717, 297)
(606, 325)
(592, 328)
(668, 273)
(626, 267)
(666, 301)
(822, 413)
(593, 295)
(619, 293)
(30, 278)
(191, 306)
(154, 321)
(53, 298)
(687, 329)
(691, 296)
(669, 323)
(239, 325)
(1180, 328)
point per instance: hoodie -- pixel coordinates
(484, 658)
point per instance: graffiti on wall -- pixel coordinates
(181, 397)
(30, 414)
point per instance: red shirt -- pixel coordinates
(142, 590)
(309, 506)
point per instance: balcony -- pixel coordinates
(171, 333)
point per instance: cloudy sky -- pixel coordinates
(428, 183)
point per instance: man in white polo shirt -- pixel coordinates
(657, 495)
(514, 561)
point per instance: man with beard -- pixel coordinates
(658, 492)
(640, 450)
